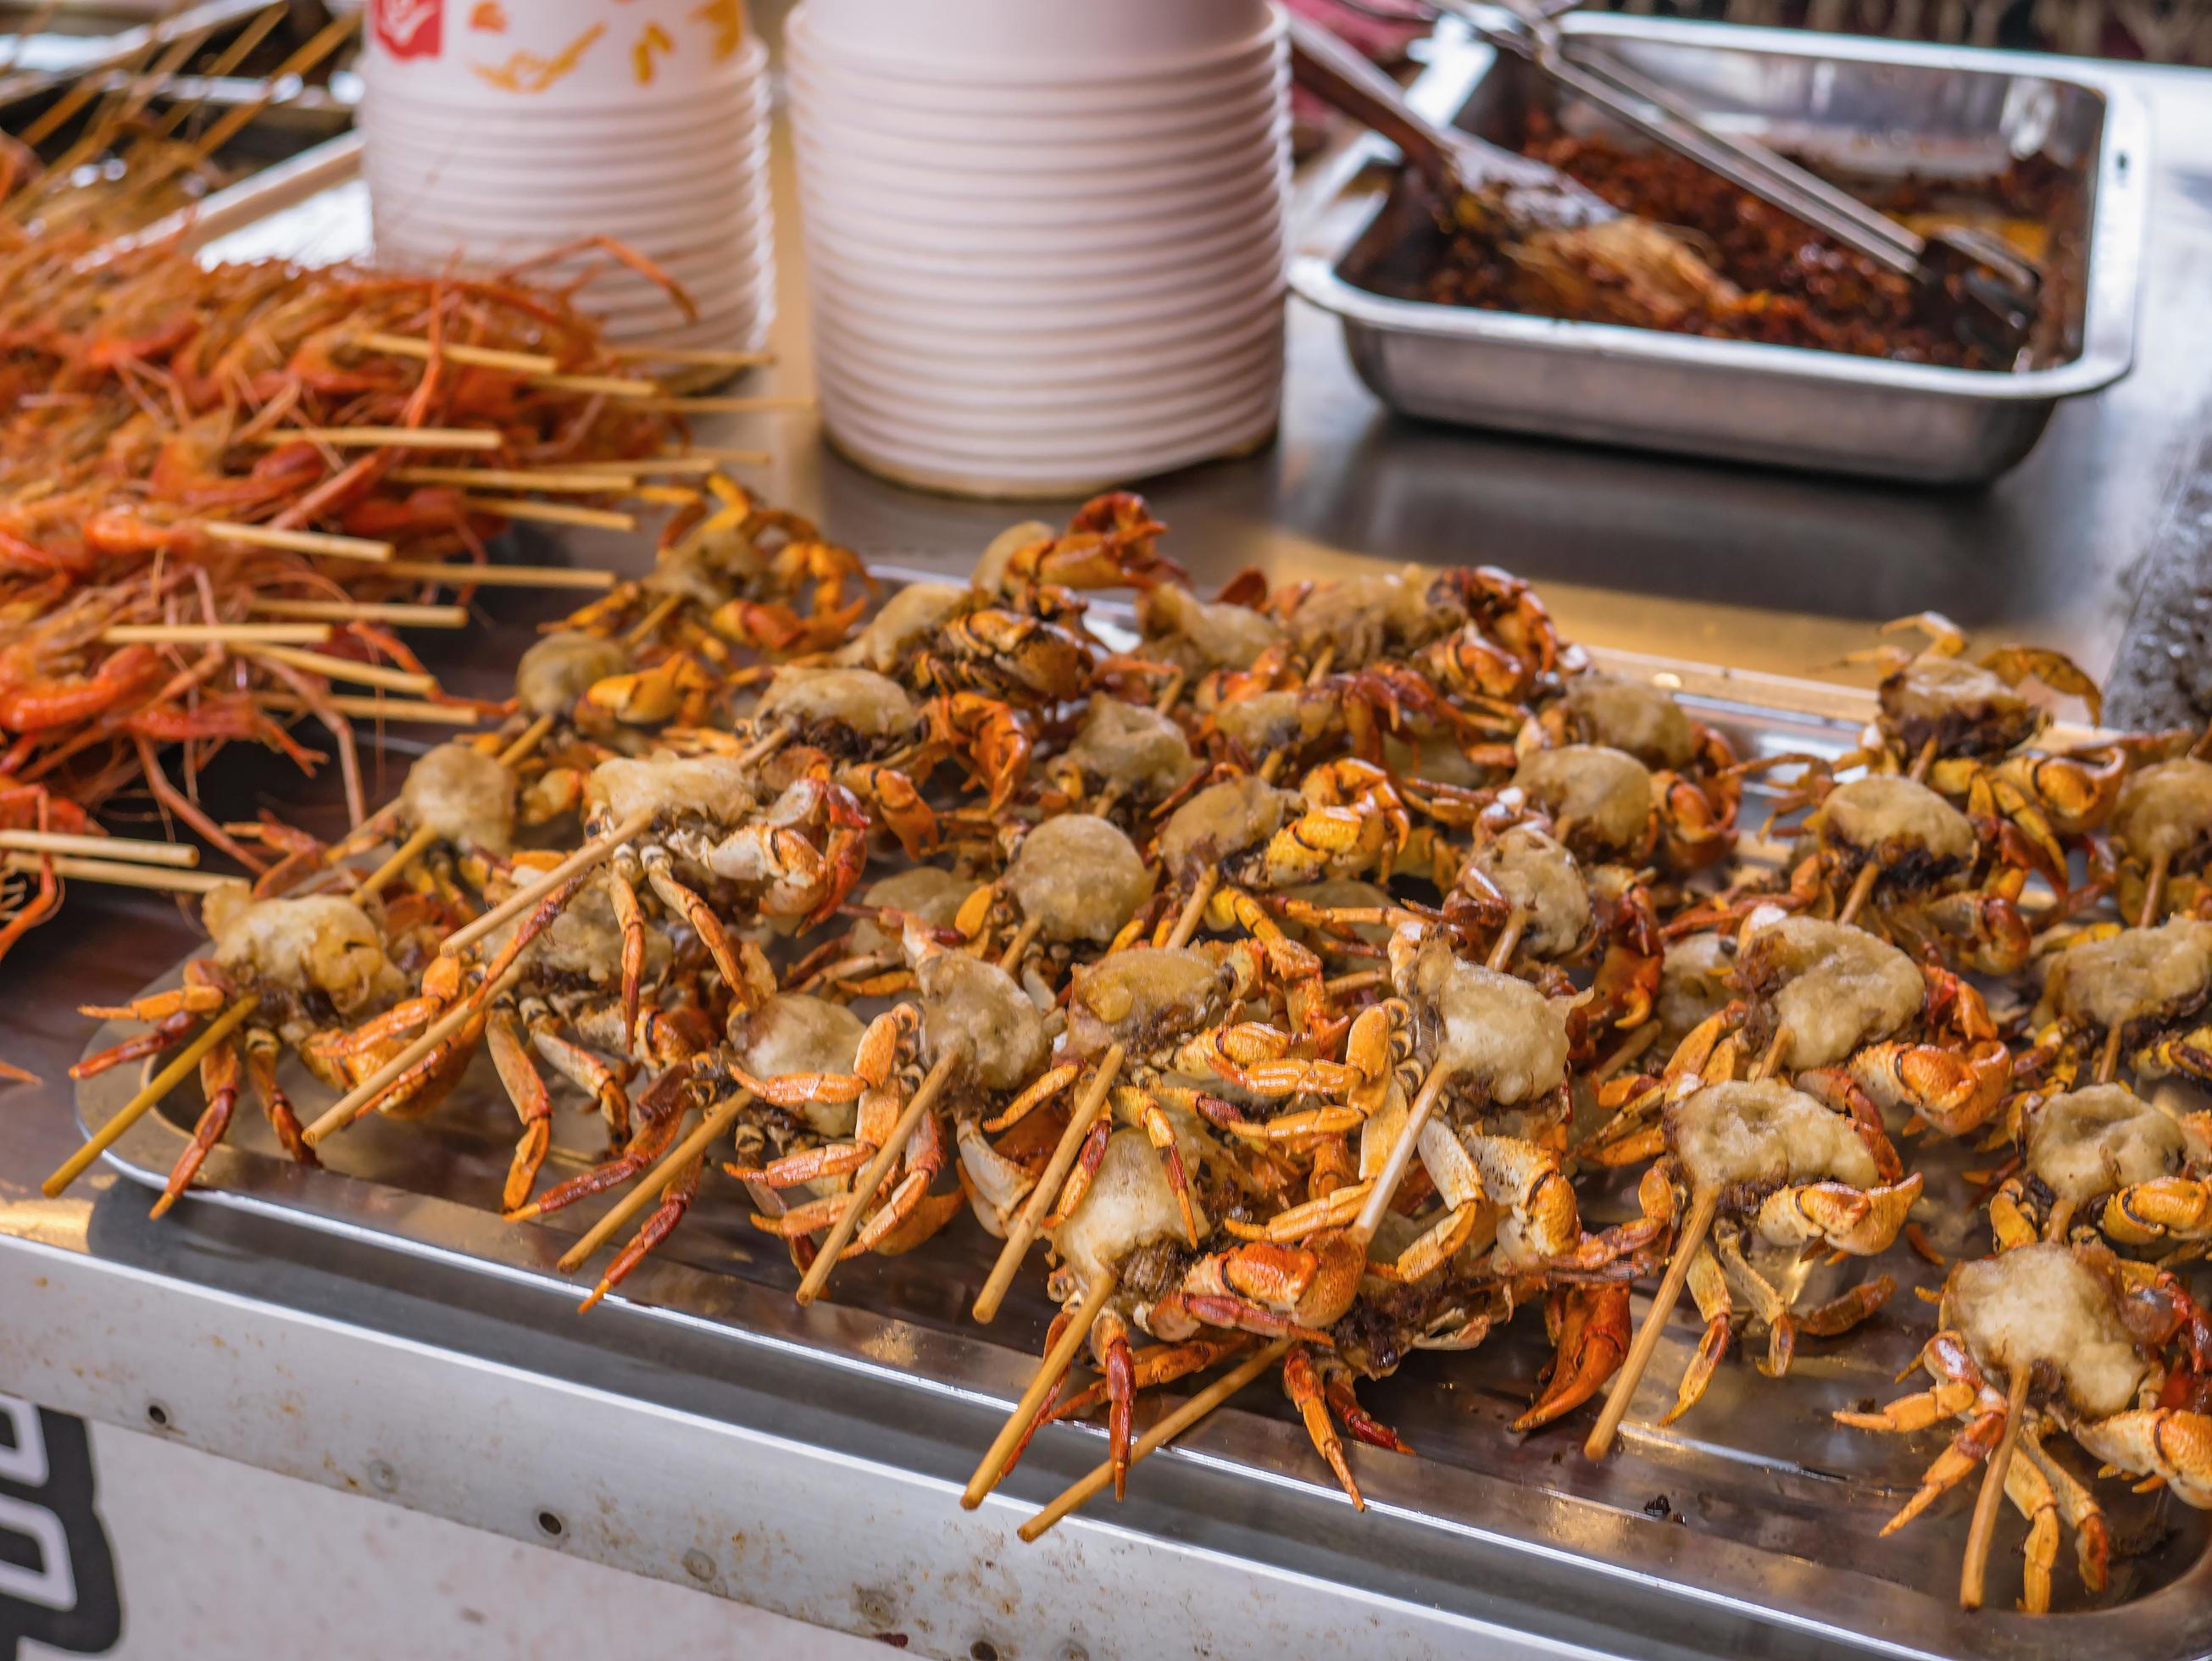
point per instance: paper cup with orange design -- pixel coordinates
(553, 54)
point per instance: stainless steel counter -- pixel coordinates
(349, 1367)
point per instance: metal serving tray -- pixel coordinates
(1749, 1527)
(1874, 106)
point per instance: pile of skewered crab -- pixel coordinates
(1299, 968)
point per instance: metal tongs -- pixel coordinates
(1991, 288)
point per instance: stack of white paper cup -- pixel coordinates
(1044, 238)
(541, 131)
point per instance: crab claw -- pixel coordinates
(2158, 1442)
(1954, 1090)
(1592, 1342)
(1861, 1222)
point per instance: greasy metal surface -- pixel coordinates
(1874, 106)
(1772, 1512)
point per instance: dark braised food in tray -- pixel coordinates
(1797, 286)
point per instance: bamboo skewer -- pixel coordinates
(550, 480)
(525, 741)
(849, 1221)
(764, 747)
(160, 1085)
(1861, 886)
(1705, 1206)
(606, 386)
(1030, 1218)
(102, 847)
(753, 405)
(1975, 1567)
(233, 121)
(1400, 1157)
(649, 624)
(708, 357)
(655, 1183)
(417, 845)
(688, 463)
(1631, 1047)
(358, 1100)
(325, 543)
(385, 438)
(1193, 909)
(117, 873)
(593, 854)
(2108, 1059)
(349, 669)
(501, 576)
(552, 512)
(483, 357)
(405, 614)
(1020, 943)
(1501, 953)
(2155, 889)
(1170, 1426)
(216, 634)
(1056, 1362)
(380, 708)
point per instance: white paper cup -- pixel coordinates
(554, 54)
(1081, 356)
(1237, 294)
(1032, 259)
(1023, 171)
(952, 220)
(670, 117)
(1132, 407)
(864, 106)
(611, 288)
(1230, 99)
(1198, 438)
(1081, 475)
(744, 316)
(400, 133)
(913, 367)
(869, 274)
(1033, 40)
(705, 186)
(425, 212)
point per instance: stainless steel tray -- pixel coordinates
(1878, 106)
(1747, 1527)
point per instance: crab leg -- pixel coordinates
(261, 1054)
(533, 1106)
(675, 1200)
(1302, 1386)
(1709, 1288)
(168, 1033)
(219, 1077)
